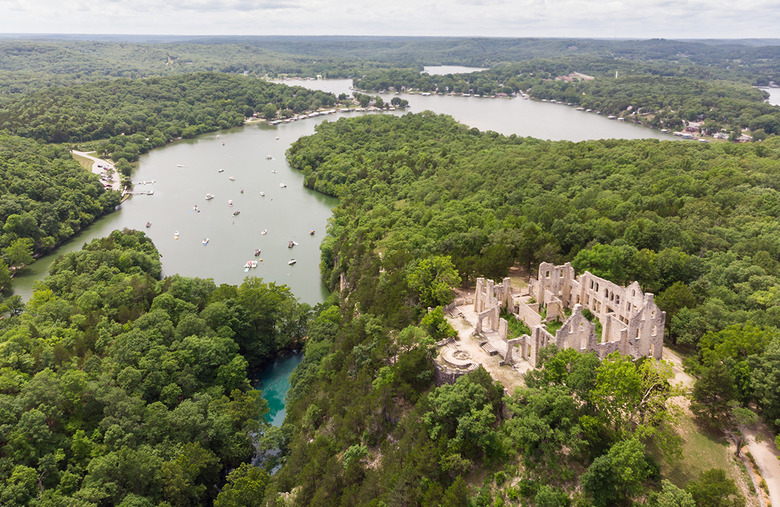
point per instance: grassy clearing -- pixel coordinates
(702, 450)
(85, 162)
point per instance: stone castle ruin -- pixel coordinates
(592, 314)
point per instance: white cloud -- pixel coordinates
(507, 18)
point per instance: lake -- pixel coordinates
(774, 95)
(510, 115)
(186, 170)
(443, 70)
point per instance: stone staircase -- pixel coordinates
(487, 347)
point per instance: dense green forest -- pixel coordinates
(119, 388)
(349, 56)
(137, 115)
(45, 198)
(424, 201)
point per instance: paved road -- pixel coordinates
(115, 184)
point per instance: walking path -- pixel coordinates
(115, 183)
(764, 451)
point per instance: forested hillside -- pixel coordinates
(137, 115)
(423, 200)
(45, 198)
(117, 387)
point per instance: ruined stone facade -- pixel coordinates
(630, 322)
(623, 319)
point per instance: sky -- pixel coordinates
(492, 18)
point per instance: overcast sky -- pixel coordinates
(504, 18)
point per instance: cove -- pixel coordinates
(274, 382)
(273, 200)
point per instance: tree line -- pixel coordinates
(652, 94)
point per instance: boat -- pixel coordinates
(209, 197)
(176, 235)
(283, 185)
(268, 157)
(274, 172)
(257, 252)
(230, 202)
(247, 266)
(235, 213)
(291, 262)
(179, 165)
(242, 190)
(253, 264)
(148, 224)
(205, 241)
(265, 231)
(277, 138)
(291, 244)
(195, 209)
(262, 194)
(221, 170)
(232, 178)
(311, 232)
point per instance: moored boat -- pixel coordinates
(283, 185)
(235, 213)
(257, 252)
(291, 262)
(209, 197)
(148, 224)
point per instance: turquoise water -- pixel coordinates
(274, 381)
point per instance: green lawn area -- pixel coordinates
(701, 450)
(85, 162)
